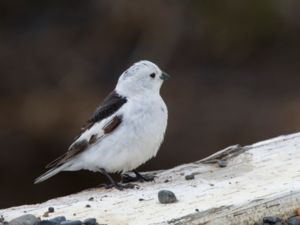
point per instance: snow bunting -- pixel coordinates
(124, 132)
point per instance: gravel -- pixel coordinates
(166, 197)
(27, 219)
(272, 220)
(59, 220)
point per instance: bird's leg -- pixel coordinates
(126, 178)
(113, 183)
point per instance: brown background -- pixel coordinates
(234, 66)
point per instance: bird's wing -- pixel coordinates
(92, 132)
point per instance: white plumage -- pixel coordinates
(138, 134)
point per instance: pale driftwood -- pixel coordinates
(260, 179)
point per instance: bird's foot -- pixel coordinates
(119, 186)
(126, 178)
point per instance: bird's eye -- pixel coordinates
(152, 75)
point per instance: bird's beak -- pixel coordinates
(164, 76)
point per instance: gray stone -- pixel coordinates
(294, 220)
(190, 177)
(271, 219)
(166, 197)
(73, 222)
(47, 222)
(222, 163)
(90, 221)
(50, 209)
(58, 219)
(27, 219)
(278, 223)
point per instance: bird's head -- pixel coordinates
(142, 77)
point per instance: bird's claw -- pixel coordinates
(120, 186)
(126, 178)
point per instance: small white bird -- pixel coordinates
(125, 131)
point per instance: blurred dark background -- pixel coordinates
(234, 65)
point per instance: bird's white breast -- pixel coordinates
(136, 140)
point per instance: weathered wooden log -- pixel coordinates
(259, 180)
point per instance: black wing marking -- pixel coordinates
(109, 106)
(112, 103)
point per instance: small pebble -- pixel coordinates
(27, 219)
(166, 197)
(58, 219)
(46, 214)
(90, 221)
(190, 177)
(141, 199)
(88, 206)
(46, 222)
(74, 222)
(222, 163)
(271, 219)
(197, 210)
(295, 220)
(166, 181)
(50, 209)
(91, 199)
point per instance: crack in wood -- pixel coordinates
(225, 154)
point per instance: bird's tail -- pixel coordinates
(50, 173)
